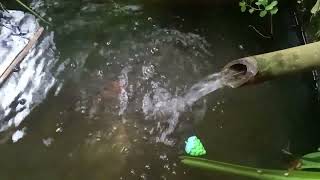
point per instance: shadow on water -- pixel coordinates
(112, 113)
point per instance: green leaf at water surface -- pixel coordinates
(263, 13)
(250, 172)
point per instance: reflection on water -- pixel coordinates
(124, 94)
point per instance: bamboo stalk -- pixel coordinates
(271, 65)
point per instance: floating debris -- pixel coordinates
(18, 135)
(48, 141)
(194, 147)
(259, 171)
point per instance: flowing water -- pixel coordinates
(114, 88)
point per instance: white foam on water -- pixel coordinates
(18, 135)
(123, 96)
(25, 89)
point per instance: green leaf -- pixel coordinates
(263, 13)
(263, 2)
(274, 3)
(271, 5)
(308, 164)
(310, 161)
(251, 10)
(242, 3)
(243, 8)
(258, 3)
(316, 8)
(251, 172)
(274, 11)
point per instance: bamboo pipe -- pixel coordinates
(271, 65)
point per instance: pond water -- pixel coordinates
(120, 68)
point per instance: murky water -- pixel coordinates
(126, 93)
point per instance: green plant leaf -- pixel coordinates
(242, 3)
(310, 161)
(274, 3)
(308, 164)
(243, 8)
(316, 8)
(263, 13)
(258, 3)
(251, 10)
(262, 174)
(271, 5)
(314, 156)
(263, 2)
(274, 11)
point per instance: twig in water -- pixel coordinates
(258, 32)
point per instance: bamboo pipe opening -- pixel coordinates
(240, 72)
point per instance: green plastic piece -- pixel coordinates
(194, 147)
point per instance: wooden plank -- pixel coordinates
(23, 53)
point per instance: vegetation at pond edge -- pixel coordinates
(306, 167)
(262, 6)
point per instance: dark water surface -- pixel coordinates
(118, 61)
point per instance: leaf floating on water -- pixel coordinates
(18, 135)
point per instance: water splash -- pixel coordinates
(161, 104)
(209, 84)
(123, 96)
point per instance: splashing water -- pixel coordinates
(211, 83)
(160, 103)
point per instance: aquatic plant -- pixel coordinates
(307, 168)
(262, 6)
